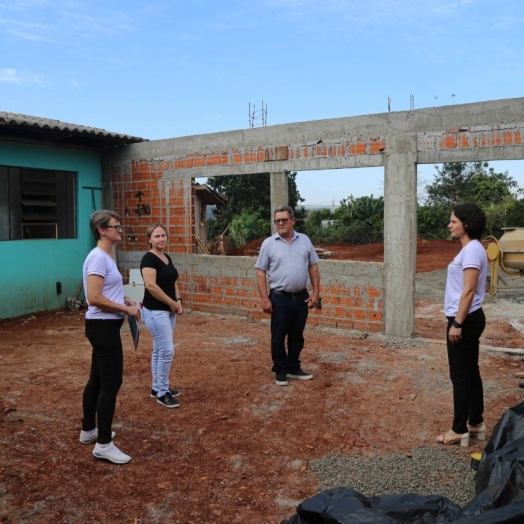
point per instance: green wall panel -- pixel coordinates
(30, 269)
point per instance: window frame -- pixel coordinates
(33, 200)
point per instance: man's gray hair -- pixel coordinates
(287, 209)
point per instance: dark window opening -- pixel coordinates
(37, 203)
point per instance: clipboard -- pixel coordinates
(135, 330)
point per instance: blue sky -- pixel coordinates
(170, 68)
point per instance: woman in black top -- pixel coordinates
(161, 304)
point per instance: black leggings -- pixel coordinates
(107, 363)
(463, 358)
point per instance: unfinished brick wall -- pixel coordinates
(145, 192)
(158, 187)
(228, 285)
(142, 196)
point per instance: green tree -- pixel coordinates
(432, 222)
(515, 214)
(458, 182)
(248, 194)
(366, 209)
(356, 220)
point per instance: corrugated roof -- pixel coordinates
(32, 128)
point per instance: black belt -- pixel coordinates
(286, 294)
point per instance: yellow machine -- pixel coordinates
(507, 253)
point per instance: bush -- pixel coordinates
(247, 227)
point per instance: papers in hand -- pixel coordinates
(135, 330)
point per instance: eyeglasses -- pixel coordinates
(116, 228)
(281, 220)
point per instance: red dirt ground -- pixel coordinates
(239, 447)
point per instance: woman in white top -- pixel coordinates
(107, 307)
(465, 288)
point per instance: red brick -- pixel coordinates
(463, 140)
(377, 147)
(212, 160)
(496, 139)
(372, 292)
(340, 312)
(358, 149)
(234, 302)
(374, 327)
(449, 142)
(373, 315)
(357, 314)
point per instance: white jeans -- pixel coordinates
(161, 325)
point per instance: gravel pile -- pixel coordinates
(424, 470)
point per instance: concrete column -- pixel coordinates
(400, 233)
(279, 193)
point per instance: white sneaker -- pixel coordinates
(110, 452)
(89, 437)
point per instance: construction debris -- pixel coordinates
(221, 245)
(324, 253)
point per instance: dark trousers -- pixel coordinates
(288, 319)
(463, 358)
(105, 379)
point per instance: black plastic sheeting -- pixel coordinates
(499, 486)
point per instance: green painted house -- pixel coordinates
(50, 182)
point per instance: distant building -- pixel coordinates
(326, 223)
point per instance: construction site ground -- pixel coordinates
(239, 448)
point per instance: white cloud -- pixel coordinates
(39, 19)
(26, 29)
(12, 76)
